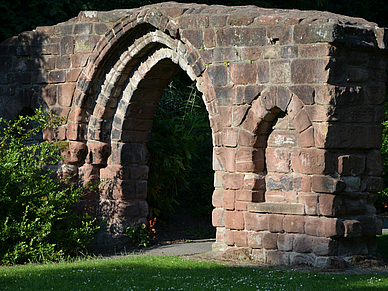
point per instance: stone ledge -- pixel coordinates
(281, 208)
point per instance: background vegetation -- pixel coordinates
(180, 152)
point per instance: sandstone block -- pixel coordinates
(218, 217)
(372, 184)
(49, 94)
(243, 73)
(309, 71)
(301, 183)
(241, 36)
(302, 121)
(354, 246)
(229, 237)
(351, 164)
(263, 72)
(233, 181)
(294, 224)
(354, 207)
(239, 113)
(259, 256)
(75, 153)
(228, 200)
(254, 182)
(302, 259)
(58, 76)
(255, 221)
(98, 153)
(224, 159)
(278, 182)
(238, 254)
(241, 205)
(283, 138)
(278, 160)
(217, 198)
(278, 258)
(307, 33)
(374, 164)
(76, 131)
(303, 244)
(275, 223)
(255, 240)
(325, 246)
(251, 122)
(195, 37)
(329, 205)
(323, 227)
(88, 173)
(269, 240)
(250, 196)
(65, 94)
(282, 208)
(311, 161)
(115, 172)
(310, 200)
(241, 238)
(123, 189)
(218, 75)
(327, 184)
(352, 228)
(249, 160)
(229, 136)
(280, 71)
(234, 220)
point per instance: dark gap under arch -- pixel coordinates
(181, 198)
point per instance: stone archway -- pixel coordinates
(117, 122)
(321, 73)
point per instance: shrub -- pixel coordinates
(38, 221)
(382, 201)
(141, 234)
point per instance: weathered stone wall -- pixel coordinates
(295, 102)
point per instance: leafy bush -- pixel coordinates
(38, 221)
(180, 151)
(382, 202)
(141, 234)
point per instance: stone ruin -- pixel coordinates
(295, 103)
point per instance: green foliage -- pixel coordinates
(180, 151)
(38, 221)
(382, 202)
(141, 234)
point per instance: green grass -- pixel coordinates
(172, 273)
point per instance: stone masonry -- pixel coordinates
(295, 102)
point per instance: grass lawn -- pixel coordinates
(172, 273)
